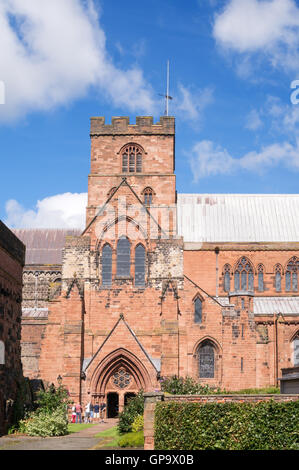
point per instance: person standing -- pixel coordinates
(78, 413)
(87, 413)
(96, 411)
(73, 414)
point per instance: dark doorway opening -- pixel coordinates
(128, 396)
(112, 405)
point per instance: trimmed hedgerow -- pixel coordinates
(227, 426)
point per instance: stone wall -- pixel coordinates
(12, 257)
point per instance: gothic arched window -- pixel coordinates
(107, 265)
(131, 159)
(148, 196)
(206, 360)
(260, 273)
(140, 265)
(123, 257)
(197, 310)
(278, 274)
(296, 349)
(226, 278)
(243, 275)
(291, 275)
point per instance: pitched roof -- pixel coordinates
(238, 217)
(44, 246)
(271, 305)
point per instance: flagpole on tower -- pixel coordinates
(167, 96)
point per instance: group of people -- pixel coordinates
(92, 412)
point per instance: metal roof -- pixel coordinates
(270, 305)
(44, 246)
(35, 312)
(238, 217)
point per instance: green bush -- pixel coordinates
(185, 386)
(134, 408)
(132, 439)
(50, 418)
(138, 423)
(47, 424)
(227, 426)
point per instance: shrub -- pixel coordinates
(185, 386)
(132, 439)
(134, 408)
(227, 426)
(138, 423)
(50, 418)
(47, 424)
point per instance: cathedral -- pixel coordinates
(160, 283)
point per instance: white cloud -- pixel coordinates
(210, 159)
(253, 120)
(60, 211)
(52, 54)
(191, 102)
(269, 27)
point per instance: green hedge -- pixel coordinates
(227, 426)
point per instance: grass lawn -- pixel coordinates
(108, 438)
(76, 427)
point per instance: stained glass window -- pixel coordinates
(132, 159)
(121, 378)
(296, 350)
(107, 265)
(123, 257)
(243, 275)
(278, 271)
(292, 275)
(148, 196)
(140, 266)
(197, 310)
(260, 270)
(206, 356)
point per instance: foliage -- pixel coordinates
(52, 399)
(185, 386)
(134, 408)
(138, 423)
(46, 424)
(227, 426)
(76, 427)
(50, 418)
(255, 391)
(132, 439)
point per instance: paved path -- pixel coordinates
(82, 440)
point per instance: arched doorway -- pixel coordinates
(112, 405)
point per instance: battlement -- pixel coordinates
(121, 126)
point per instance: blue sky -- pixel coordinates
(232, 63)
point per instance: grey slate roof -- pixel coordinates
(238, 217)
(44, 246)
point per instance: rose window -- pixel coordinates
(121, 378)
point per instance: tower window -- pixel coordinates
(139, 266)
(132, 159)
(197, 310)
(123, 257)
(107, 265)
(148, 196)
